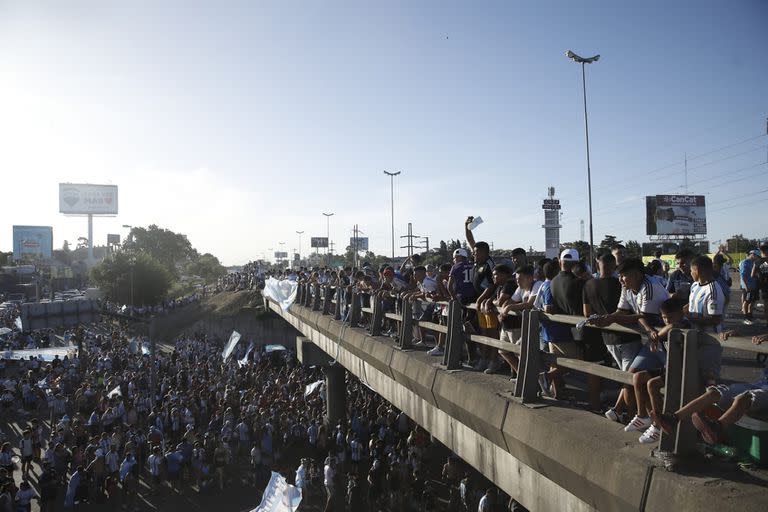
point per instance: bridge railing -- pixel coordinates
(682, 378)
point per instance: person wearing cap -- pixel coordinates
(749, 284)
(462, 289)
(565, 297)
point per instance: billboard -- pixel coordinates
(280, 255)
(32, 242)
(84, 199)
(113, 239)
(360, 243)
(319, 241)
(675, 215)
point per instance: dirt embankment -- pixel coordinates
(222, 313)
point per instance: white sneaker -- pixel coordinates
(612, 415)
(437, 351)
(650, 436)
(747, 321)
(638, 424)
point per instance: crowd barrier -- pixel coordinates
(682, 384)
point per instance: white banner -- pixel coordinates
(279, 496)
(17, 323)
(244, 360)
(115, 392)
(230, 346)
(283, 292)
(311, 388)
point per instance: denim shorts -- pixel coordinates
(647, 359)
(625, 353)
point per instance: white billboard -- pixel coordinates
(84, 199)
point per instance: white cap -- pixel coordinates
(460, 252)
(569, 255)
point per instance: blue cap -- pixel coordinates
(755, 252)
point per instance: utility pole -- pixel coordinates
(410, 236)
(328, 234)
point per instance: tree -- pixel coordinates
(634, 249)
(740, 243)
(443, 251)
(164, 245)
(206, 266)
(609, 241)
(139, 274)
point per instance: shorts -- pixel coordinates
(624, 353)
(647, 359)
(567, 349)
(427, 315)
(728, 393)
(749, 296)
(509, 335)
(487, 320)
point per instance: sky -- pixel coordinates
(240, 123)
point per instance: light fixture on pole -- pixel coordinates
(299, 233)
(392, 204)
(328, 235)
(583, 61)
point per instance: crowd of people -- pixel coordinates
(250, 277)
(117, 426)
(616, 290)
(163, 307)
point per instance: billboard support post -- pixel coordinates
(90, 237)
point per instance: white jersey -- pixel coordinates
(707, 300)
(521, 295)
(429, 285)
(646, 301)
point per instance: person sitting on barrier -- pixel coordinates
(462, 289)
(648, 383)
(425, 285)
(735, 400)
(639, 305)
(601, 297)
(564, 296)
(707, 298)
(506, 285)
(522, 298)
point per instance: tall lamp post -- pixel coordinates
(392, 204)
(299, 233)
(328, 235)
(583, 62)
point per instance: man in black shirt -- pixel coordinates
(485, 288)
(601, 297)
(567, 299)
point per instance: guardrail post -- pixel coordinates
(299, 293)
(406, 326)
(307, 294)
(354, 309)
(340, 293)
(691, 388)
(316, 298)
(328, 296)
(673, 384)
(377, 318)
(454, 341)
(531, 364)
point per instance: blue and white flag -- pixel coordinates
(230, 346)
(244, 359)
(279, 496)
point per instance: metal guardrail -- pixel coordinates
(682, 374)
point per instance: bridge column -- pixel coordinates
(335, 394)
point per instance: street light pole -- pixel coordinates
(328, 235)
(583, 62)
(392, 204)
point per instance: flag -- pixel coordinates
(279, 496)
(230, 346)
(18, 323)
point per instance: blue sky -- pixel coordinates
(238, 123)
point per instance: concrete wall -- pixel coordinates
(548, 458)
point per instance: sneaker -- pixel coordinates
(481, 365)
(711, 430)
(544, 384)
(747, 321)
(494, 366)
(666, 422)
(437, 351)
(650, 436)
(612, 415)
(638, 424)
(513, 380)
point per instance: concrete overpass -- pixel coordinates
(547, 457)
